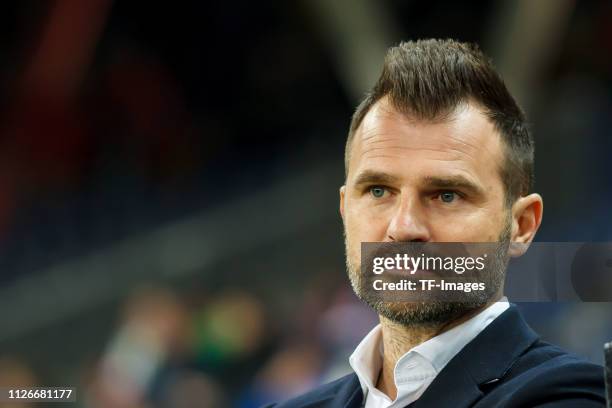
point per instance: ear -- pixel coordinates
(526, 219)
(342, 189)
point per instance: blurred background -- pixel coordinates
(169, 174)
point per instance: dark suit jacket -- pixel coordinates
(506, 365)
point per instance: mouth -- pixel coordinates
(411, 274)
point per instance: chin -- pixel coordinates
(424, 313)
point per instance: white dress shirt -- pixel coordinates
(416, 369)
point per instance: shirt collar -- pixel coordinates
(366, 360)
(440, 349)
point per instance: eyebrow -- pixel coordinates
(373, 177)
(455, 182)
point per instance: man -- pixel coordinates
(439, 151)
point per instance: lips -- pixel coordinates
(409, 274)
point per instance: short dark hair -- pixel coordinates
(428, 79)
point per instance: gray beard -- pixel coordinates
(435, 312)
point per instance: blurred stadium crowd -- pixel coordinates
(169, 234)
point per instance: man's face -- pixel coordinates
(421, 181)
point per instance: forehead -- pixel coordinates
(464, 142)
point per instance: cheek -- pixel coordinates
(363, 226)
(481, 226)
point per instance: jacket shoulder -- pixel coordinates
(547, 374)
(318, 395)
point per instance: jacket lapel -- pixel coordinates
(346, 393)
(349, 395)
(485, 360)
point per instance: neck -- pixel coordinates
(399, 338)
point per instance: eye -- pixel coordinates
(377, 191)
(447, 196)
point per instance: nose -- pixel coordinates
(408, 223)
